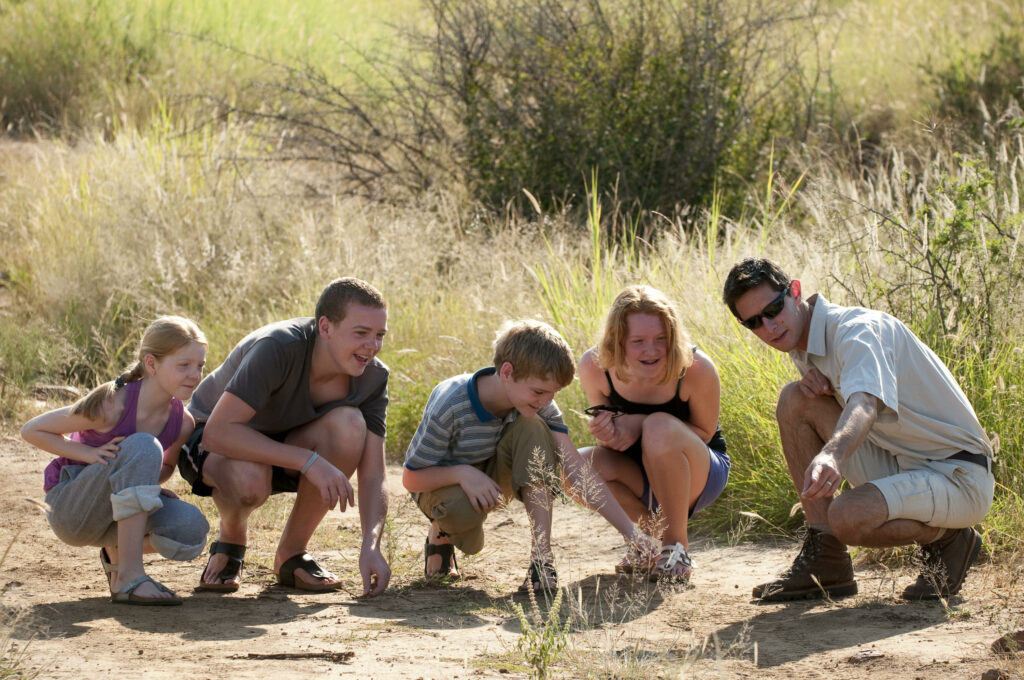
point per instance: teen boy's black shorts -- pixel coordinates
(193, 456)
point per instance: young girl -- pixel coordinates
(654, 400)
(103, 488)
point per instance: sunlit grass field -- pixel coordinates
(126, 220)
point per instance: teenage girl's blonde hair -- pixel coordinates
(164, 336)
(535, 350)
(611, 350)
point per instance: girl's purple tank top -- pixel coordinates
(125, 426)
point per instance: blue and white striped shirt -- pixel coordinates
(456, 429)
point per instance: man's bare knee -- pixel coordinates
(241, 483)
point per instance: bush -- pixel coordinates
(659, 100)
(972, 90)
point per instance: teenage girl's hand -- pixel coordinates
(167, 493)
(102, 454)
(602, 426)
(332, 484)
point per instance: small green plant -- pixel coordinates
(543, 636)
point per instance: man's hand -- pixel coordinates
(332, 484)
(375, 571)
(815, 384)
(822, 478)
(483, 492)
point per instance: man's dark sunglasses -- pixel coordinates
(770, 311)
(597, 408)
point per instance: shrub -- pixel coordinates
(657, 99)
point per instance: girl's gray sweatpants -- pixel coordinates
(89, 500)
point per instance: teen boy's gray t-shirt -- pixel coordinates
(269, 371)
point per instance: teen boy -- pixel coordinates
(877, 407)
(497, 434)
(297, 406)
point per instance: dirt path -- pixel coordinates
(623, 629)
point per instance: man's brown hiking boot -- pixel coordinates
(823, 567)
(945, 565)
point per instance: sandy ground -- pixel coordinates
(620, 628)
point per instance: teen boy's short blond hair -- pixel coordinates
(535, 350)
(611, 350)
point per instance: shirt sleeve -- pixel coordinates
(552, 415)
(431, 444)
(866, 363)
(261, 372)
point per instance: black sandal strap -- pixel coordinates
(447, 553)
(286, 575)
(236, 558)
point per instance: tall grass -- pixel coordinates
(138, 220)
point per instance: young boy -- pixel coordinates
(497, 434)
(297, 406)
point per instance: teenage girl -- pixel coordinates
(103, 489)
(654, 399)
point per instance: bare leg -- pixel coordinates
(339, 436)
(857, 517)
(130, 539)
(239, 487)
(677, 463)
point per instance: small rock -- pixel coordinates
(1009, 644)
(995, 674)
(865, 655)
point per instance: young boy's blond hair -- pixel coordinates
(535, 350)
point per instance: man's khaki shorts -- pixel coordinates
(940, 493)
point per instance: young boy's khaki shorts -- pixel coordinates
(947, 493)
(525, 455)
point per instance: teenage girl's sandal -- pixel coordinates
(127, 595)
(286, 574)
(666, 568)
(541, 577)
(448, 561)
(231, 570)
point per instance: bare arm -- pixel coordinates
(228, 433)
(595, 492)
(617, 432)
(373, 510)
(483, 492)
(822, 476)
(703, 391)
(170, 462)
(46, 432)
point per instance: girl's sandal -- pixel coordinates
(109, 568)
(541, 577)
(666, 569)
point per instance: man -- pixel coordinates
(297, 406)
(877, 407)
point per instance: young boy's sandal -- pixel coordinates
(286, 575)
(127, 595)
(448, 561)
(541, 577)
(231, 570)
(667, 566)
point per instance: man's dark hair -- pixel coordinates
(334, 301)
(749, 273)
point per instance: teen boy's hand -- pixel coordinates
(375, 571)
(483, 492)
(332, 484)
